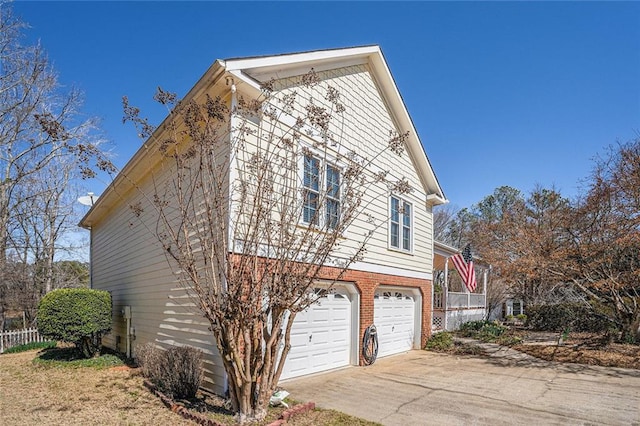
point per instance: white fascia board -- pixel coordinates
(135, 167)
(252, 86)
(298, 59)
(403, 119)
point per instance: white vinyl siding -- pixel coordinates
(364, 128)
(127, 261)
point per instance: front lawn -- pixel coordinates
(53, 388)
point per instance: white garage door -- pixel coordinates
(320, 337)
(394, 317)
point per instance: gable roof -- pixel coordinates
(251, 72)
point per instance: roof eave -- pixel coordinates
(110, 194)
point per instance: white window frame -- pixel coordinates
(400, 223)
(306, 189)
(322, 209)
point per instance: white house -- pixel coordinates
(391, 286)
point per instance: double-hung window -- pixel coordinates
(321, 193)
(400, 226)
(311, 191)
(332, 206)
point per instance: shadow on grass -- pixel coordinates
(71, 357)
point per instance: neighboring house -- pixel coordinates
(509, 308)
(453, 304)
(390, 287)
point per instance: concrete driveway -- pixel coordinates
(508, 387)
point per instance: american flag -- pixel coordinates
(464, 265)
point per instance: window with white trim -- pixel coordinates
(400, 224)
(321, 191)
(311, 191)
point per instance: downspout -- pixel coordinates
(91, 257)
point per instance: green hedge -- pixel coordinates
(487, 331)
(564, 316)
(76, 315)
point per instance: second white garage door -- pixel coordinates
(394, 318)
(320, 337)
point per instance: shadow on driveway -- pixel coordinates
(506, 387)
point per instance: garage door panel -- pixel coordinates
(394, 317)
(322, 337)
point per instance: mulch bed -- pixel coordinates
(582, 348)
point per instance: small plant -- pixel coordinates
(487, 331)
(440, 342)
(522, 317)
(30, 346)
(490, 332)
(76, 315)
(176, 371)
(509, 318)
(470, 329)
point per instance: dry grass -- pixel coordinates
(32, 394)
(37, 393)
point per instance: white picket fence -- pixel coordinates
(9, 339)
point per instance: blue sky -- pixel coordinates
(500, 93)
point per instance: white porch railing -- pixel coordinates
(438, 300)
(9, 339)
(465, 300)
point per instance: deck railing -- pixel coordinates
(458, 300)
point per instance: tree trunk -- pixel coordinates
(631, 328)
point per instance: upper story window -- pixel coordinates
(400, 224)
(332, 208)
(311, 191)
(321, 191)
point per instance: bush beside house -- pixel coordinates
(76, 315)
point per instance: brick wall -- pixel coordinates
(368, 282)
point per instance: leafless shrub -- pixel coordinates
(176, 371)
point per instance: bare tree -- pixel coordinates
(40, 128)
(523, 239)
(443, 220)
(252, 213)
(603, 254)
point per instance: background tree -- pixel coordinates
(604, 255)
(522, 238)
(248, 234)
(44, 145)
(443, 220)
